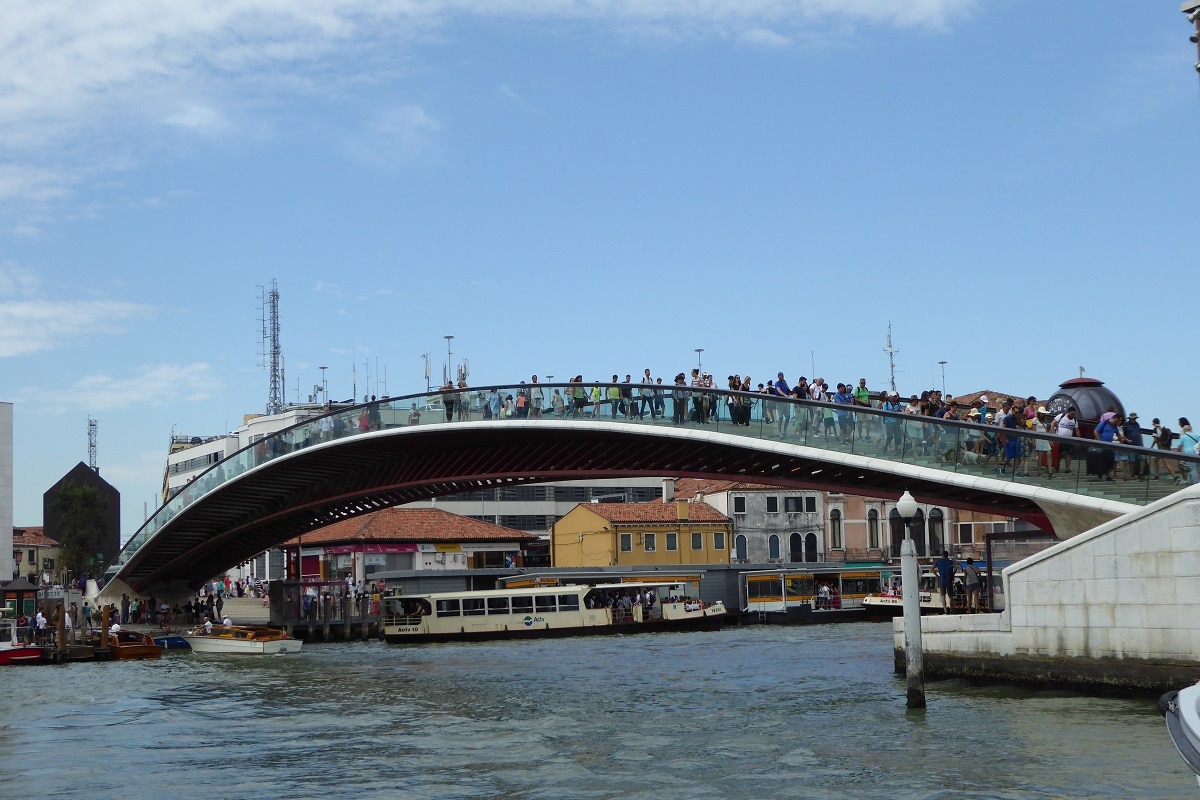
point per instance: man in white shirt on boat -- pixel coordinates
(227, 622)
(207, 625)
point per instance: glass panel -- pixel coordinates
(544, 603)
(447, 608)
(568, 602)
(522, 604)
(497, 605)
(473, 607)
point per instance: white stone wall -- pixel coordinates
(1126, 589)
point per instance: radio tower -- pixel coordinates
(272, 356)
(93, 425)
(891, 351)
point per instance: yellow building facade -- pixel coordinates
(640, 535)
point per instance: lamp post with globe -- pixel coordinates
(914, 669)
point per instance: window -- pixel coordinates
(772, 504)
(473, 607)
(739, 505)
(810, 505)
(544, 603)
(835, 529)
(447, 608)
(649, 542)
(33, 557)
(773, 547)
(793, 505)
(719, 541)
(739, 547)
(672, 541)
(873, 529)
(497, 605)
(626, 542)
(522, 605)
(966, 533)
(697, 541)
(937, 537)
(568, 602)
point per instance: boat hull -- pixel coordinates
(20, 655)
(1182, 712)
(710, 622)
(243, 642)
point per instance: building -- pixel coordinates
(402, 539)
(666, 533)
(36, 556)
(83, 475)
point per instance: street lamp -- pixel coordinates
(943, 363)
(324, 385)
(699, 366)
(913, 666)
(446, 373)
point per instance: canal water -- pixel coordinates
(753, 712)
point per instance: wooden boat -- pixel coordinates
(127, 645)
(544, 611)
(243, 640)
(13, 648)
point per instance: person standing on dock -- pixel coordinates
(973, 581)
(945, 572)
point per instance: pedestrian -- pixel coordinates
(945, 575)
(973, 581)
(1187, 445)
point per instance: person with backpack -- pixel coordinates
(1163, 440)
(974, 581)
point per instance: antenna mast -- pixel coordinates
(891, 351)
(272, 352)
(93, 425)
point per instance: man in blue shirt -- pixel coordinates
(945, 572)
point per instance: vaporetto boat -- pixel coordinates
(546, 611)
(243, 640)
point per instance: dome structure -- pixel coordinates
(1088, 396)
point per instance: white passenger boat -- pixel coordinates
(243, 640)
(545, 611)
(1182, 711)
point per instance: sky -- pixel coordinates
(573, 187)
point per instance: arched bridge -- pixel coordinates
(352, 461)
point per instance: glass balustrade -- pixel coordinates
(1082, 466)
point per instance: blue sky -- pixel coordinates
(580, 187)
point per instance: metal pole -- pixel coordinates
(914, 668)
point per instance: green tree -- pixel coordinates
(82, 519)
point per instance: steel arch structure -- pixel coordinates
(323, 483)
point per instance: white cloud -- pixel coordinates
(85, 82)
(151, 385)
(30, 324)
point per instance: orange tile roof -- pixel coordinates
(32, 537)
(655, 511)
(412, 525)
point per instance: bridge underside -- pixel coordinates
(319, 485)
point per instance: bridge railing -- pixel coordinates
(1139, 474)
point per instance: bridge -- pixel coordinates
(357, 460)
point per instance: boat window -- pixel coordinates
(568, 602)
(473, 607)
(522, 604)
(497, 605)
(544, 602)
(447, 608)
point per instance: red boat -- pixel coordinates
(12, 649)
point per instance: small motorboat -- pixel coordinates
(242, 640)
(1182, 712)
(171, 641)
(13, 650)
(127, 645)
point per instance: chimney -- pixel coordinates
(668, 489)
(681, 510)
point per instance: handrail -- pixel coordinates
(950, 436)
